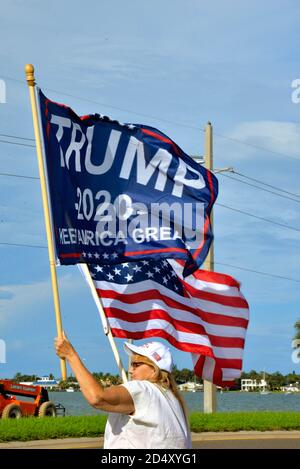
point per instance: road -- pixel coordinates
(207, 440)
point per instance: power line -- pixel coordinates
(259, 218)
(261, 188)
(265, 184)
(218, 263)
(220, 205)
(217, 134)
(24, 245)
(258, 272)
(17, 143)
(167, 121)
(15, 136)
(18, 176)
(99, 103)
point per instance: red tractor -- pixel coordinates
(13, 407)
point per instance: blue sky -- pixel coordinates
(173, 65)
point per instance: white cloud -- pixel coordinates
(32, 299)
(278, 137)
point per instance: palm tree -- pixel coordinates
(296, 343)
(297, 327)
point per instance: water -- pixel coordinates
(75, 403)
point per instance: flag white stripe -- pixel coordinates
(207, 306)
(160, 324)
(230, 374)
(210, 287)
(217, 308)
(143, 286)
(148, 305)
(228, 352)
(208, 369)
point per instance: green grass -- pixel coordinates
(244, 421)
(31, 428)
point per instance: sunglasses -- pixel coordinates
(137, 364)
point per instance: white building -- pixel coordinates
(190, 386)
(290, 388)
(43, 381)
(253, 385)
(46, 382)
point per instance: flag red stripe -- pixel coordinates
(152, 294)
(162, 139)
(182, 326)
(234, 301)
(230, 342)
(205, 230)
(72, 254)
(184, 346)
(210, 317)
(234, 363)
(223, 320)
(211, 188)
(215, 277)
(154, 251)
(217, 341)
(198, 367)
(162, 314)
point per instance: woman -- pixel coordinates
(146, 412)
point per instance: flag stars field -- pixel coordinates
(129, 278)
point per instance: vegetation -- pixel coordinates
(31, 428)
(297, 327)
(275, 380)
(244, 421)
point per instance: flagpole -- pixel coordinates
(29, 72)
(210, 397)
(107, 331)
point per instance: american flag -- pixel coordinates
(204, 313)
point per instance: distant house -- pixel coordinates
(46, 382)
(190, 386)
(291, 387)
(43, 381)
(253, 385)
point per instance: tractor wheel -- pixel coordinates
(47, 409)
(12, 411)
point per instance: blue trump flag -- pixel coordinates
(123, 192)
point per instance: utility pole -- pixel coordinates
(210, 395)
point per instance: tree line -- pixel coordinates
(274, 380)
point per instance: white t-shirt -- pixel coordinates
(158, 420)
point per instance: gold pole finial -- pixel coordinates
(29, 72)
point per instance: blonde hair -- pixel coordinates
(165, 380)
